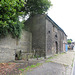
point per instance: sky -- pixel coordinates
(63, 13)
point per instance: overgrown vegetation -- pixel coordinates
(10, 10)
(72, 62)
(30, 67)
(9, 21)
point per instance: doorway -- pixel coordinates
(56, 45)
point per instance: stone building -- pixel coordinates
(47, 37)
(42, 36)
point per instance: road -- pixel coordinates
(59, 65)
(49, 68)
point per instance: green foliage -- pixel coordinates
(30, 67)
(69, 41)
(37, 6)
(21, 69)
(9, 12)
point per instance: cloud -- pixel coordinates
(63, 13)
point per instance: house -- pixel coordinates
(47, 37)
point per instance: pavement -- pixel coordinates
(60, 64)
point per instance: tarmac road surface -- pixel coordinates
(49, 68)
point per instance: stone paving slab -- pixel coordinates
(65, 58)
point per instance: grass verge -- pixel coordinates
(30, 67)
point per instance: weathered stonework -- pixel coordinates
(37, 26)
(43, 37)
(47, 36)
(9, 47)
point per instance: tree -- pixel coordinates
(69, 41)
(9, 12)
(37, 6)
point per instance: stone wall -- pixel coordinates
(55, 40)
(49, 37)
(24, 44)
(52, 38)
(9, 47)
(37, 26)
(62, 39)
(59, 40)
(55, 37)
(46, 35)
